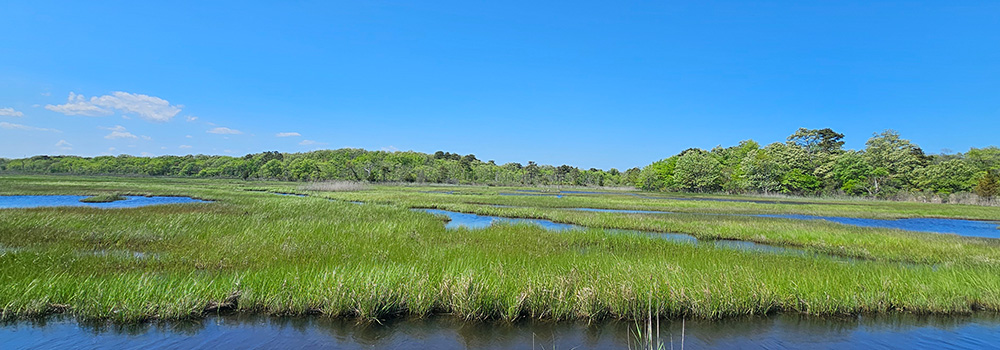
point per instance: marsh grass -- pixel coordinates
(256, 252)
(104, 198)
(335, 186)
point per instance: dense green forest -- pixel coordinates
(810, 162)
(342, 164)
(814, 162)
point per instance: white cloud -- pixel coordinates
(120, 135)
(145, 154)
(78, 105)
(150, 108)
(188, 136)
(390, 148)
(224, 131)
(10, 112)
(191, 118)
(46, 93)
(12, 126)
(119, 132)
(63, 145)
(310, 143)
(184, 146)
(287, 134)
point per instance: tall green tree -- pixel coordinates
(952, 176)
(989, 185)
(698, 171)
(815, 141)
(894, 156)
(658, 176)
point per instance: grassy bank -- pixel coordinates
(252, 251)
(103, 198)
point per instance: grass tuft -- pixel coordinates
(103, 198)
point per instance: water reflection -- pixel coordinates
(22, 202)
(897, 331)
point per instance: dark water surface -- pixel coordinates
(255, 332)
(7, 202)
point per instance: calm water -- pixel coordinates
(475, 221)
(775, 332)
(971, 228)
(74, 201)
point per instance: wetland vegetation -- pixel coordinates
(812, 162)
(251, 251)
(103, 198)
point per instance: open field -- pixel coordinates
(257, 252)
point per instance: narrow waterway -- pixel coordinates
(475, 221)
(22, 202)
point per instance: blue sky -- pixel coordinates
(592, 84)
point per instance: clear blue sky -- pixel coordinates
(592, 84)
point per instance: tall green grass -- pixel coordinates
(258, 252)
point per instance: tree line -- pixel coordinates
(814, 162)
(342, 164)
(809, 162)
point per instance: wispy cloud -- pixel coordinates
(114, 135)
(224, 131)
(10, 112)
(184, 146)
(147, 107)
(78, 105)
(287, 134)
(112, 128)
(12, 126)
(119, 132)
(311, 143)
(191, 118)
(63, 145)
(390, 148)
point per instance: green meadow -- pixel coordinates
(252, 251)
